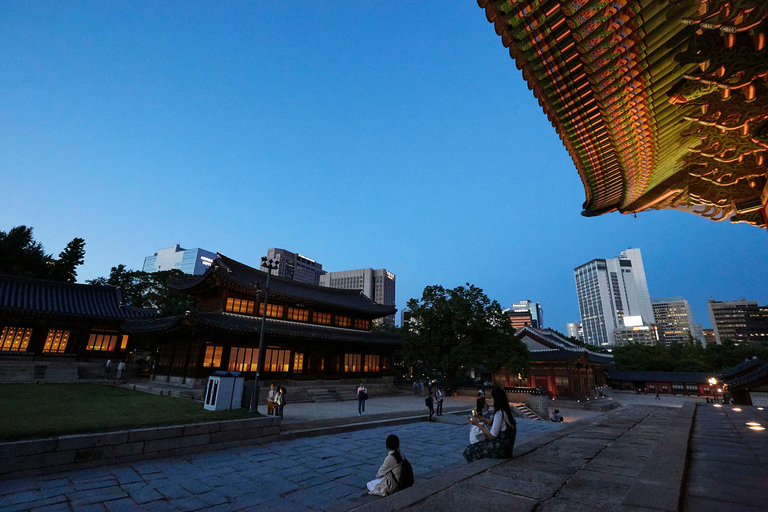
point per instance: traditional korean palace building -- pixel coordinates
(46, 323)
(312, 332)
(660, 103)
(665, 383)
(558, 366)
(747, 383)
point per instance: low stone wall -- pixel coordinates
(39, 456)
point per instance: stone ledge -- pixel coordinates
(660, 484)
(43, 456)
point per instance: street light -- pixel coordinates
(713, 385)
(270, 265)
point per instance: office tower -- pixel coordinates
(536, 314)
(644, 334)
(675, 320)
(519, 319)
(709, 336)
(739, 320)
(376, 284)
(190, 261)
(608, 290)
(295, 267)
(698, 333)
(574, 330)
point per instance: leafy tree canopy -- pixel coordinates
(148, 290)
(689, 356)
(21, 255)
(451, 329)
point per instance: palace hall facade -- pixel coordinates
(311, 332)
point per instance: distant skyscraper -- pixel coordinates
(643, 334)
(608, 290)
(190, 261)
(376, 284)
(534, 308)
(295, 267)
(739, 321)
(675, 320)
(574, 330)
(709, 336)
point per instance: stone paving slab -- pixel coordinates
(326, 473)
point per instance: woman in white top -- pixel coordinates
(362, 396)
(500, 438)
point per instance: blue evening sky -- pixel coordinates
(367, 134)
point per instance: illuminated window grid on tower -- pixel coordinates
(56, 342)
(15, 339)
(239, 306)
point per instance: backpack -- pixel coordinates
(406, 474)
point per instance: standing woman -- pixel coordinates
(362, 396)
(500, 437)
(439, 400)
(279, 401)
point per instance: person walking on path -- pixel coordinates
(389, 474)
(107, 366)
(439, 401)
(415, 388)
(657, 395)
(421, 387)
(500, 438)
(271, 400)
(362, 396)
(120, 368)
(429, 402)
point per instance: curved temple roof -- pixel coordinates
(660, 103)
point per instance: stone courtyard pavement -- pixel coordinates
(326, 473)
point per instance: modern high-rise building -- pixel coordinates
(295, 267)
(643, 334)
(608, 290)
(709, 336)
(574, 330)
(739, 320)
(190, 261)
(533, 308)
(376, 284)
(675, 320)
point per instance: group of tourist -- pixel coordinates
(275, 400)
(491, 436)
(108, 367)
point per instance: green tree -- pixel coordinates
(453, 329)
(22, 255)
(73, 255)
(148, 290)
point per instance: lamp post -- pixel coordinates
(270, 265)
(713, 385)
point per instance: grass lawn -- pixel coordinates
(29, 411)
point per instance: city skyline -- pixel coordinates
(201, 117)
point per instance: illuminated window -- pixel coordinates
(56, 342)
(343, 321)
(300, 315)
(14, 339)
(322, 364)
(371, 364)
(106, 342)
(124, 342)
(321, 318)
(240, 306)
(298, 363)
(352, 362)
(362, 324)
(277, 360)
(384, 362)
(213, 356)
(242, 359)
(273, 310)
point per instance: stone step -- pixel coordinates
(526, 412)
